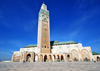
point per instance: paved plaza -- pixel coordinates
(50, 66)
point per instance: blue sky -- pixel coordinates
(70, 20)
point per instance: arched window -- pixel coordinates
(68, 56)
(45, 46)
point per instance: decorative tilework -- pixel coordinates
(42, 15)
(47, 17)
(44, 11)
(44, 19)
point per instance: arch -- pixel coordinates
(85, 55)
(98, 58)
(58, 58)
(41, 58)
(28, 57)
(75, 55)
(62, 58)
(45, 58)
(68, 57)
(50, 58)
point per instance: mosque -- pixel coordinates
(52, 51)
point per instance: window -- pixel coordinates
(42, 46)
(45, 46)
(42, 15)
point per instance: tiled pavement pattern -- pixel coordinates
(50, 66)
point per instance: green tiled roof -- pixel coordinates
(95, 53)
(54, 43)
(30, 46)
(67, 42)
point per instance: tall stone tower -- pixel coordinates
(43, 30)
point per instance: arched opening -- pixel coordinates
(28, 57)
(50, 58)
(58, 58)
(86, 59)
(75, 59)
(68, 57)
(98, 58)
(62, 58)
(41, 58)
(45, 58)
(75, 55)
(85, 55)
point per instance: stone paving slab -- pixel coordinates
(50, 66)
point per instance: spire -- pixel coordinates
(44, 7)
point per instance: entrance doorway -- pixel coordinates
(28, 58)
(45, 58)
(58, 59)
(98, 59)
(68, 57)
(86, 59)
(62, 58)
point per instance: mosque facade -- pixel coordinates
(52, 51)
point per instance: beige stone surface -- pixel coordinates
(50, 66)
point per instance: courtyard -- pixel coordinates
(50, 66)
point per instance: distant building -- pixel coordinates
(6, 61)
(52, 51)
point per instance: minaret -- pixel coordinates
(43, 30)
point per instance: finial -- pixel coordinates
(43, 2)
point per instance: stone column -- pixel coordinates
(60, 57)
(71, 58)
(52, 58)
(43, 57)
(64, 57)
(31, 57)
(79, 55)
(36, 57)
(39, 58)
(48, 58)
(56, 57)
(23, 56)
